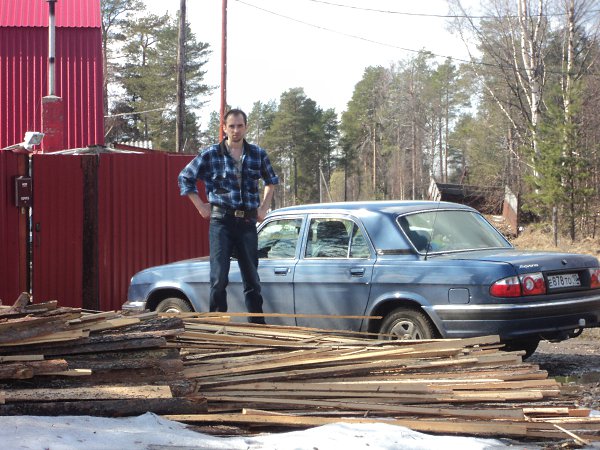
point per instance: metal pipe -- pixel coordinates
(223, 67)
(51, 46)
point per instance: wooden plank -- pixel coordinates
(99, 392)
(304, 316)
(69, 373)
(440, 427)
(25, 328)
(515, 414)
(357, 368)
(94, 317)
(19, 305)
(58, 336)
(348, 386)
(106, 408)
(20, 370)
(110, 324)
(401, 398)
(11, 358)
(94, 344)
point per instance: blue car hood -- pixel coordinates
(159, 271)
(526, 261)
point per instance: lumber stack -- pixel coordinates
(56, 361)
(253, 376)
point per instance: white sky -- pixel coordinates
(269, 53)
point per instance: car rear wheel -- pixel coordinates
(174, 305)
(528, 345)
(406, 324)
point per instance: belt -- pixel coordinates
(240, 213)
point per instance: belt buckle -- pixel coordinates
(238, 213)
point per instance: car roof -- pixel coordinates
(391, 207)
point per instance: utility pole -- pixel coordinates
(180, 120)
(223, 67)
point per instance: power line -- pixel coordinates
(439, 16)
(353, 36)
(371, 41)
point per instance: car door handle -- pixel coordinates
(357, 271)
(281, 270)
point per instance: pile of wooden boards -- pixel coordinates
(57, 361)
(208, 370)
(256, 376)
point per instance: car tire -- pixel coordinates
(174, 305)
(407, 324)
(528, 345)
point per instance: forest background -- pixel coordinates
(522, 114)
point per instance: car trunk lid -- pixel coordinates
(528, 262)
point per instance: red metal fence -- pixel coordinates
(99, 218)
(13, 231)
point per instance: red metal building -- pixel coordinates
(24, 69)
(97, 216)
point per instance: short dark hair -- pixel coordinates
(236, 112)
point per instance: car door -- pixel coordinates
(333, 275)
(278, 250)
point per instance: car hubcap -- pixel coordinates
(406, 330)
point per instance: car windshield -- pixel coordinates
(450, 230)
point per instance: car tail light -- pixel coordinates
(595, 278)
(517, 286)
(533, 284)
(508, 287)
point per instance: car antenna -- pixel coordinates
(432, 227)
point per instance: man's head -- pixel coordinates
(234, 126)
(235, 112)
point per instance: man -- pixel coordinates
(231, 171)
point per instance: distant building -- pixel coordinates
(498, 202)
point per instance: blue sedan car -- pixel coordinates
(427, 269)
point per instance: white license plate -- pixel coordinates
(563, 281)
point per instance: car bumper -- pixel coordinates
(134, 306)
(550, 319)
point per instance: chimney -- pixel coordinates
(53, 110)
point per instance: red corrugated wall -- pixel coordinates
(57, 229)
(13, 261)
(187, 232)
(34, 13)
(23, 69)
(130, 211)
(143, 221)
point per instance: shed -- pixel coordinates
(24, 69)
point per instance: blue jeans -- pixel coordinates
(230, 235)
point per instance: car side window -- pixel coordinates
(335, 238)
(279, 239)
(358, 246)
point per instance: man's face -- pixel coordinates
(235, 128)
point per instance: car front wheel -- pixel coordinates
(406, 324)
(174, 305)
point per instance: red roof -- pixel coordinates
(34, 13)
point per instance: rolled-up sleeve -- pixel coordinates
(189, 176)
(268, 173)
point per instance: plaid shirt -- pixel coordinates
(216, 168)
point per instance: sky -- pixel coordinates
(321, 46)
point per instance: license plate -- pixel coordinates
(563, 281)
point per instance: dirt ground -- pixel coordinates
(576, 361)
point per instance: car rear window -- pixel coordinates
(450, 230)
